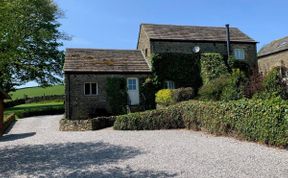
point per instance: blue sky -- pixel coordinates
(115, 23)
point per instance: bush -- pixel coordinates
(164, 97)
(148, 89)
(117, 95)
(235, 86)
(213, 89)
(264, 121)
(183, 94)
(272, 86)
(167, 118)
(212, 67)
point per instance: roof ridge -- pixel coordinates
(177, 25)
(102, 49)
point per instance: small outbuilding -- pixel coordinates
(3, 96)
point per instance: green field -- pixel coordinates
(37, 91)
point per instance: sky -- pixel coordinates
(114, 24)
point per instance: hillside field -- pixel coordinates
(37, 91)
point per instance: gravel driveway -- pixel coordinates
(35, 148)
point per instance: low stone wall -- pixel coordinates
(84, 125)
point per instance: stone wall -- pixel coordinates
(88, 124)
(269, 62)
(80, 106)
(218, 47)
(144, 44)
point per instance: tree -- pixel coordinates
(29, 43)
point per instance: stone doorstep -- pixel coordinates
(85, 125)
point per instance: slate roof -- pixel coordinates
(193, 33)
(102, 60)
(274, 47)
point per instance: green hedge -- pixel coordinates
(264, 121)
(167, 118)
(40, 111)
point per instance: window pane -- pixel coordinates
(94, 88)
(87, 88)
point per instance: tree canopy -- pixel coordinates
(29, 43)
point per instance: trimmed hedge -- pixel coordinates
(264, 121)
(167, 118)
(40, 111)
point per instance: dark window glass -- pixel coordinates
(87, 88)
(94, 88)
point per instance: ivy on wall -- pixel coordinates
(117, 95)
(183, 69)
(212, 66)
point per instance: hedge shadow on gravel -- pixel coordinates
(71, 160)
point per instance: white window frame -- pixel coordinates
(239, 53)
(170, 84)
(136, 87)
(90, 85)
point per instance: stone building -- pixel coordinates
(274, 54)
(154, 38)
(86, 70)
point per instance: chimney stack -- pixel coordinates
(228, 39)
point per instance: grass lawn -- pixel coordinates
(37, 91)
(33, 109)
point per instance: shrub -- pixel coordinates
(235, 86)
(117, 95)
(272, 86)
(264, 121)
(183, 94)
(148, 89)
(254, 84)
(212, 67)
(164, 97)
(213, 89)
(167, 118)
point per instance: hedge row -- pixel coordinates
(53, 110)
(167, 118)
(12, 103)
(264, 121)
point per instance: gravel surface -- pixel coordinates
(35, 148)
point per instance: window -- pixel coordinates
(132, 84)
(91, 89)
(239, 54)
(170, 84)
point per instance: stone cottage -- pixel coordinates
(86, 70)
(272, 55)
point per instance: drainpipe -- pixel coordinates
(228, 39)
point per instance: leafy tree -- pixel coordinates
(29, 43)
